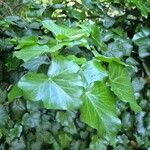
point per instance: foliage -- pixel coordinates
(74, 74)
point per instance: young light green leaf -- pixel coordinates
(64, 32)
(31, 52)
(27, 41)
(14, 93)
(98, 110)
(97, 39)
(77, 60)
(121, 85)
(61, 89)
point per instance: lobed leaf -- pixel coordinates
(60, 89)
(99, 110)
(121, 85)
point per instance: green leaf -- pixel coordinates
(142, 39)
(98, 110)
(64, 140)
(14, 133)
(77, 14)
(110, 59)
(27, 41)
(77, 60)
(121, 85)
(66, 120)
(14, 93)
(45, 137)
(34, 64)
(3, 95)
(138, 84)
(31, 120)
(94, 71)
(18, 144)
(60, 89)
(145, 32)
(3, 116)
(97, 39)
(98, 144)
(119, 48)
(31, 52)
(64, 32)
(12, 63)
(142, 6)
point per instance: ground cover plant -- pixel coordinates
(74, 75)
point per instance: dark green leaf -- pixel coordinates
(3, 116)
(34, 64)
(119, 48)
(64, 140)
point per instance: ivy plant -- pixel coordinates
(93, 87)
(74, 74)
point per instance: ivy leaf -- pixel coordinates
(141, 5)
(31, 120)
(77, 60)
(145, 32)
(121, 85)
(14, 132)
(3, 95)
(3, 116)
(66, 120)
(64, 32)
(98, 110)
(45, 137)
(34, 64)
(27, 41)
(98, 144)
(142, 39)
(119, 48)
(14, 93)
(18, 144)
(138, 84)
(64, 140)
(60, 89)
(94, 71)
(31, 52)
(97, 39)
(110, 59)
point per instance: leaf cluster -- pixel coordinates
(75, 75)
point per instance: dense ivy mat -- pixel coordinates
(74, 75)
